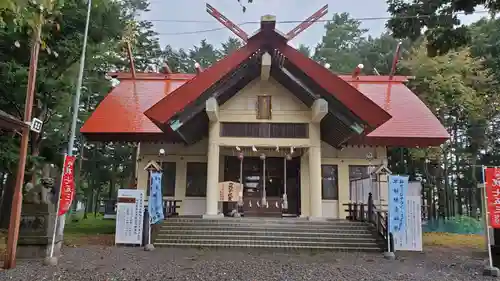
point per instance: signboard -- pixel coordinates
(129, 216)
(398, 187)
(67, 186)
(492, 181)
(36, 125)
(229, 191)
(410, 239)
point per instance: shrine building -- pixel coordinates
(271, 118)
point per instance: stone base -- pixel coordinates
(50, 261)
(491, 271)
(389, 256)
(149, 248)
(37, 251)
(213, 217)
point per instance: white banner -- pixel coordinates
(129, 216)
(411, 238)
(229, 191)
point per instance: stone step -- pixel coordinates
(277, 233)
(327, 228)
(273, 244)
(260, 238)
(289, 233)
(287, 221)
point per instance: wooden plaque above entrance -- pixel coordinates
(264, 130)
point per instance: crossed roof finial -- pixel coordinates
(244, 36)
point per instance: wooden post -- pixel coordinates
(370, 207)
(15, 215)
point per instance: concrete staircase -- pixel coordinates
(290, 233)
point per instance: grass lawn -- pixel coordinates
(439, 239)
(93, 230)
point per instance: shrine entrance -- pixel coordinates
(264, 185)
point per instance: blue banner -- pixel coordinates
(398, 187)
(155, 203)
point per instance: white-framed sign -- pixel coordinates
(411, 238)
(36, 125)
(129, 216)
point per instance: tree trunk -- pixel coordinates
(97, 202)
(112, 181)
(473, 200)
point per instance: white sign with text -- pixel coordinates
(129, 216)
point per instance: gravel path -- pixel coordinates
(111, 263)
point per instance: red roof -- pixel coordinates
(162, 111)
(122, 110)
(412, 123)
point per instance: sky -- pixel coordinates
(164, 13)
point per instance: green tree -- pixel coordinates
(306, 50)
(58, 66)
(339, 45)
(456, 88)
(231, 45)
(437, 20)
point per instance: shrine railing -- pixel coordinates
(370, 214)
(170, 207)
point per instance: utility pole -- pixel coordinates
(15, 214)
(71, 143)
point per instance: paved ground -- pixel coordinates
(110, 263)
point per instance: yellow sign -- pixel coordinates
(229, 191)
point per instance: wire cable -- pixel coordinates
(362, 19)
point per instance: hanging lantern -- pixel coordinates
(289, 157)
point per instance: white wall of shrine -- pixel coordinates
(181, 155)
(286, 108)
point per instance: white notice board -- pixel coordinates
(411, 238)
(129, 216)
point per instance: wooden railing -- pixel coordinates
(370, 214)
(170, 207)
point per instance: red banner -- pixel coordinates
(492, 183)
(67, 188)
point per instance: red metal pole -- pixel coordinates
(15, 215)
(391, 76)
(131, 59)
(395, 61)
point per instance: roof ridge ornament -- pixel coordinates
(267, 22)
(307, 23)
(227, 23)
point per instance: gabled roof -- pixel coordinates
(120, 116)
(270, 40)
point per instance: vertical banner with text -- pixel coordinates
(67, 187)
(492, 183)
(398, 187)
(155, 202)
